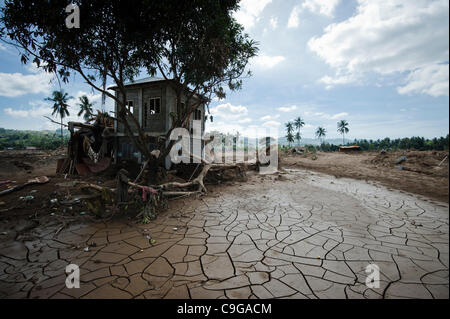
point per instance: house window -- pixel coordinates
(154, 106)
(198, 115)
(130, 106)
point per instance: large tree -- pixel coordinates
(197, 45)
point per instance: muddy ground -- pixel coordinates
(420, 173)
(295, 234)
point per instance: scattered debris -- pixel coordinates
(37, 180)
(443, 160)
(90, 147)
(298, 150)
(400, 160)
(26, 198)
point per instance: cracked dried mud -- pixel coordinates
(306, 235)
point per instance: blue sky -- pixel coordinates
(380, 65)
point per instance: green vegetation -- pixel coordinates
(46, 140)
(417, 143)
(412, 143)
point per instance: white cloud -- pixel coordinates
(16, 84)
(16, 113)
(274, 22)
(250, 11)
(324, 7)
(385, 38)
(431, 80)
(326, 115)
(38, 109)
(229, 112)
(244, 121)
(272, 124)
(267, 62)
(294, 20)
(331, 81)
(270, 117)
(287, 108)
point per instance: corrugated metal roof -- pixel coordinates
(145, 80)
(141, 81)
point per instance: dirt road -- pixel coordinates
(293, 235)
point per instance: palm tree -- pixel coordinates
(342, 128)
(85, 107)
(321, 132)
(299, 123)
(59, 99)
(289, 130)
(298, 138)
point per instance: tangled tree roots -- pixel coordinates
(151, 199)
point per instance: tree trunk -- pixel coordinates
(62, 137)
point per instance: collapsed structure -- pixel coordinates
(90, 148)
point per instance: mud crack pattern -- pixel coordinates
(305, 235)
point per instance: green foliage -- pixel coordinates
(415, 142)
(45, 140)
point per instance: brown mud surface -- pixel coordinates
(420, 173)
(296, 234)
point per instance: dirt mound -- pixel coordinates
(416, 161)
(21, 163)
